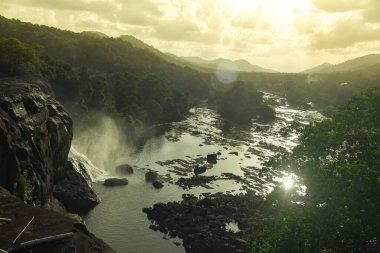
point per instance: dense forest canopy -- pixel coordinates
(101, 73)
(108, 74)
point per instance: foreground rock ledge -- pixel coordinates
(46, 223)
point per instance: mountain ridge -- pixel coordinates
(196, 62)
(354, 64)
(242, 65)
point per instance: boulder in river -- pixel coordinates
(124, 169)
(211, 158)
(150, 176)
(73, 191)
(157, 184)
(115, 181)
(199, 169)
(234, 153)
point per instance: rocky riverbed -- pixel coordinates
(202, 223)
(236, 179)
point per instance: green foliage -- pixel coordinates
(17, 58)
(241, 103)
(28, 187)
(339, 161)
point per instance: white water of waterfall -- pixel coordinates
(84, 166)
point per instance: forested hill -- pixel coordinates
(102, 73)
(104, 54)
(355, 64)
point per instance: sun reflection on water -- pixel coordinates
(288, 182)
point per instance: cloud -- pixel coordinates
(341, 5)
(371, 14)
(368, 9)
(250, 29)
(306, 24)
(344, 33)
(72, 5)
(177, 29)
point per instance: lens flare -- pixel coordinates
(227, 72)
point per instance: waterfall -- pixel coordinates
(85, 167)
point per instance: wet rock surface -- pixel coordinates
(35, 136)
(115, 182)
(73, 191)
(199, 169)
(201, 222)
(35, 139)
(124, 169)
(45, 223)
(157, 184)
(195, 181)
(151, 176)
(211, 158)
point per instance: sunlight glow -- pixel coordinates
(288, 182)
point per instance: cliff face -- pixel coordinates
(35, 138)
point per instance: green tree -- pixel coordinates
(339, 161)
(17, 58)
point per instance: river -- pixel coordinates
(119, 219)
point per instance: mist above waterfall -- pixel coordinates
(102, 140)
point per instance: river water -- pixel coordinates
(119, 219)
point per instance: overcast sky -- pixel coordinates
(285, 35)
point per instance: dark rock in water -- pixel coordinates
(198, 180)
(201, 222)
(206, 202)
(45, 223)
(219, 153)
(211, 158)
(157, 184)
(73, 191)
(199, 169)
(234, 153)
(115, 181)
(35, 137)
(124, 169)
(150, 176)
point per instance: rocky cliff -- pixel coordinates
(35, 139)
